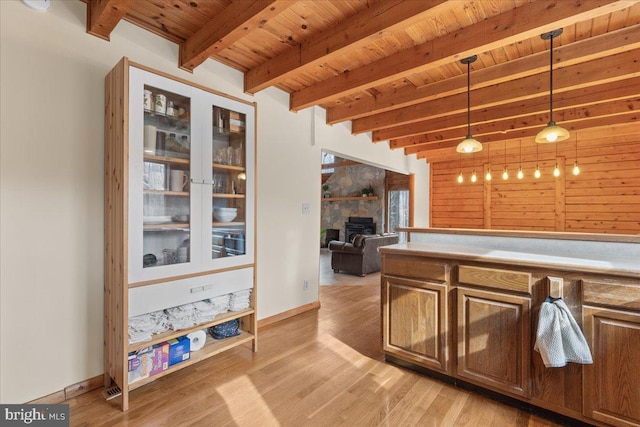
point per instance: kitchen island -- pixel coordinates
(463, 305)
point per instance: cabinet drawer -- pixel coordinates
(415, 268)
(507, 280)
(612, 294)
(145, 299)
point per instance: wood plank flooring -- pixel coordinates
(321, 368)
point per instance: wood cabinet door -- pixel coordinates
(494, 340)
(612, 382)
(415, 322)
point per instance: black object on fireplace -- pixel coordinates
(358, 225)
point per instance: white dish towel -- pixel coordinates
(559, 339)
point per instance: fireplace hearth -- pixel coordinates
(358, 225)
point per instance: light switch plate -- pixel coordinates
(306, 208)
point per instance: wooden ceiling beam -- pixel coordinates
(537, 122)
(530, 132)
(609, 92)
(371, 25)
(516, 25)
(609, 69)
(104, 15)
(581, 51)
(234, 22)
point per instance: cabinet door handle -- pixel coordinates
(200, 181)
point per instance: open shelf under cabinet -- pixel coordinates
(211, 348)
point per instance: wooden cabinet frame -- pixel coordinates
(494, 340)
(425, 339)
(117, 279)
(612, 382)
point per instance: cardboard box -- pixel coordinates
(159, 358)
(179, 350)
(140, 364)
(148, 361)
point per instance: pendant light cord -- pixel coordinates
(551, 80)
(468, 99)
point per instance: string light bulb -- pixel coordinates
(556, 171)
(505, 174)
(520, 173)
(460, 178)
(474, 178)
(537, 173)
(576, 169)
(488, 175)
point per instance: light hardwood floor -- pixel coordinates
(321, 368)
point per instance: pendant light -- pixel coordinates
(469, 144)
(553, 132)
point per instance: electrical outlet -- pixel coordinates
(305, 285)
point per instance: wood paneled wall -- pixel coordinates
(603, 198)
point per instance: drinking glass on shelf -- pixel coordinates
(237, 156)
(230, 160)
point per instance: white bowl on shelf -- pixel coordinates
(225, 214)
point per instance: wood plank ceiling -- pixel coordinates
(392, 67)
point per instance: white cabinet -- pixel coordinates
(179, 210)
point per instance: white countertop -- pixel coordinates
(613, 265)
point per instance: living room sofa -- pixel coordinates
(361, 255)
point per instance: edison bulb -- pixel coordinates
(505, 174)
(474, 178)
(537, 172)
(460, 178)
(488, 175)
(520, 173)
(556, 171)
(576, 169)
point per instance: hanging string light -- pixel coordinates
(460, 178)
(537, 172)
(505, 173)
(488, 175)
(520, 173)
(576, 168)
(474, 178)
(556, 170)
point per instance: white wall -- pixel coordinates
(51, 193)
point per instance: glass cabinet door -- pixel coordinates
(231, 168)
(162, 198)
(166, 178)
(229, 178)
